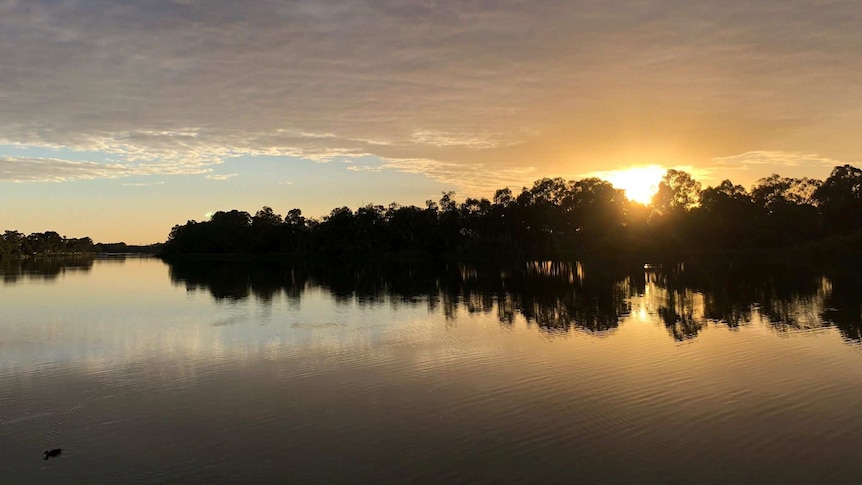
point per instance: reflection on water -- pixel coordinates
(544, 372)
(43, 268)
(560, 297)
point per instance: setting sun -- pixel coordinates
(639, 183)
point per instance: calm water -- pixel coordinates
(239, 372)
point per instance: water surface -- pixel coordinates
(261, 372)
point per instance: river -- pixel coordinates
(145, 372)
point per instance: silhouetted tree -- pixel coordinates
(840, 199)
(266, 217)
(788, 209)
(11, 243)
(267, 231)
(726, 218)
(678, 191)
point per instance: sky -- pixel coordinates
(120, 119)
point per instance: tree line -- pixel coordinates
(16, 244)
(555, 218)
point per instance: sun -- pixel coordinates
(639, 183)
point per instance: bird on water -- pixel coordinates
(53, 453)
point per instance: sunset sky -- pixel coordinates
(119, 119)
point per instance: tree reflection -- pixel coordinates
(43, 268)
(842, 305)
(787, 297)
(678, 317)
(559, 297)
(550, 296)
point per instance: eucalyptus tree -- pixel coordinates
(840, 199)
(788, 210)
(727, 217)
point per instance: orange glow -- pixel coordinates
(639, 183)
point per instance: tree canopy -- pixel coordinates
(15, 244)
(553, 218)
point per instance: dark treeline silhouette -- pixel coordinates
(556, 218)
(559, 297)
(123, 248)
(15, 244)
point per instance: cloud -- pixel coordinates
(141, 184)
(471, 179)
(755, 165)
(444, 139)
(775, 159)
(503, 89)
(24, 169)
(366, 168)
(34, 169)
(220, 176)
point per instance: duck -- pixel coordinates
(53, 453)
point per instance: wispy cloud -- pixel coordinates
(475, 179)
(33, 169)
(24, 169)
(750, 167)
(221, 176)
(451, 139)
(141, 184)
(775, 159)
(366, 168)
